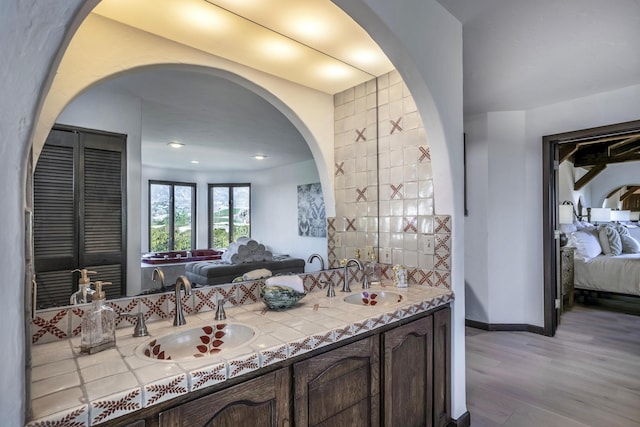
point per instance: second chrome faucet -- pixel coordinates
(345, 286)
(181, 283)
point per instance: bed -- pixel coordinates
(618, 274)
(598, 267)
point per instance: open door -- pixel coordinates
(551, 242)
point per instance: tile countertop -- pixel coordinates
(69, 388)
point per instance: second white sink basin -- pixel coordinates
(372, 298)
(195, 343)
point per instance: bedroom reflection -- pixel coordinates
(222, 126)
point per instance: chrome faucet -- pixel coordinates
(158, 274)
(183, 282)
(316, 256)
(345, 287)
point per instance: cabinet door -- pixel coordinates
(442, 367)
(340, 387)
(263, 401)
(408, 374)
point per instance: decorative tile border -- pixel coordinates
(205, 377)
(301, 346)
(114, 406)
(242, 365)
(273, 355)
(62, 323)
(165, 389)
(78, 417)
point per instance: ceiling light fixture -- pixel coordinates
(259, 157)
(195, 162)
(309, 28)
(175, 144)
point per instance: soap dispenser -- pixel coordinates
(84, 287)
(373, 270)
(98, 324)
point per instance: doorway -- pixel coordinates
(555, 148)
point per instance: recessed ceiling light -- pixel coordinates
(175, 144)
(259, 157)
(195, 162)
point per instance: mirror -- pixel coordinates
(222, 126)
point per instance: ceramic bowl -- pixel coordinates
(280, 297)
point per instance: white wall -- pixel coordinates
(594, 193)
(275, 196)
(524, 186)
(476, 256)
(495, 159)
(567, 177)
(611, 178)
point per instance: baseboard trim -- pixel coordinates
(502, 327)
(463, 421)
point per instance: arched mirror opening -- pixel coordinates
(220, 128)
(381, 171)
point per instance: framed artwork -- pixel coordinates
(312, 221)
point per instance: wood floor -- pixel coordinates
(587, 375)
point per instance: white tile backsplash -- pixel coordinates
(395, 160)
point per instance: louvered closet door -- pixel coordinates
(54, 218)
(79, 212)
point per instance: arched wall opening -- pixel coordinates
(442, 117)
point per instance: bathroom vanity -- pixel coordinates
(325, 362)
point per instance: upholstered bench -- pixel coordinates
(216, 272)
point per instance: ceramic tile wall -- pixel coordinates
(386, 183)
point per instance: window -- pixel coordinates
(172, 206)
(229, 213)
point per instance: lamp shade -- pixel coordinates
(600, 214)
(565, 214)
(620, 215)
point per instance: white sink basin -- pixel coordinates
(372, 298)
(195, 343)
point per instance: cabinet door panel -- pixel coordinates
(263, 401)
(442, 367)
(339, 387)
(408, 376)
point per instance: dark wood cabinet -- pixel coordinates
(340, 387)
(442, 367)
(417, 364)
(408, 374)
(263, 401)
(399, 375)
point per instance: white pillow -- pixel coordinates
(610, 240)
(630, 245)
(586, 243)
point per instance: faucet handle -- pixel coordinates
(331, 292)
(140, 329)
(220, 313)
